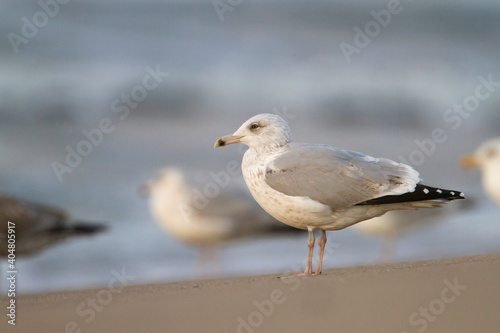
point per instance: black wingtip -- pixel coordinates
(87, 228)
(79, 228)
(421, 193)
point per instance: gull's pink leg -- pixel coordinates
(310, 249)
(321, 244)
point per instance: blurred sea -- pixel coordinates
(265, 56)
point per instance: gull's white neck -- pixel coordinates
(256, 160)
(491, 179)
(264, 152)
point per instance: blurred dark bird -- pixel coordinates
(487, 159)
(36, 227)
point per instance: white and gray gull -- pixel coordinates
(487, 159)
(319, 187)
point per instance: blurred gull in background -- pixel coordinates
(37, 226)
(487, 159)
(393, 226)
(204, 222)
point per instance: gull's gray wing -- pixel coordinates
(337, 178)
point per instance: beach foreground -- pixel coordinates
(450, 295)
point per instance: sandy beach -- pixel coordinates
(450, 295)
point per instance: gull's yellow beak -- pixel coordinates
(227, 140)
(469, 161)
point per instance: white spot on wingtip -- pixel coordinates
(452, 193)
(439, 191)
(426, 191)
(462, 194)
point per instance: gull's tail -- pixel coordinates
(421, 193)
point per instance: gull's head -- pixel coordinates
(488, 154)
(168, 181)
(259, 131)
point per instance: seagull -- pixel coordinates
(319, 187)
(181, 209)
(487, 159)
(36, 227)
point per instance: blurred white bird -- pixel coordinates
(186, 213)
(35, 227)
(389, 228)
(487, 159)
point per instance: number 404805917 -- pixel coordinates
(11, 247)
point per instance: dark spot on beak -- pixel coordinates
(220, 143)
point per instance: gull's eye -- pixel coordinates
(254, 126)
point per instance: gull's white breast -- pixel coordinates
(491, 180)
